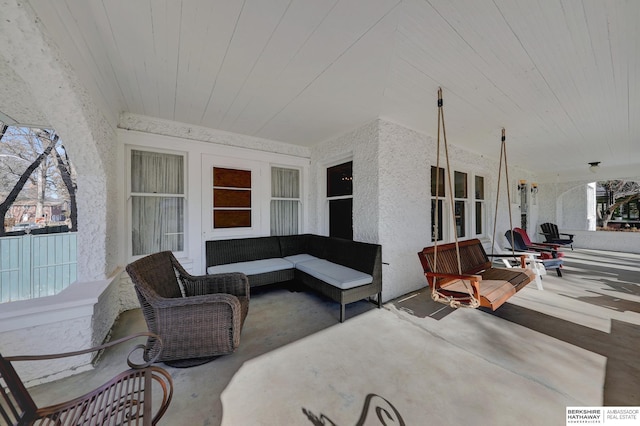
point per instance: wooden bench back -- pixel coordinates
(473, 258)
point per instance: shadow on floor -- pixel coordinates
(621, 347)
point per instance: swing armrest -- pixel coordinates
(474, 280)
(523, 256)
(470, 277)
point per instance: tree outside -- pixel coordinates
(618, 203)
(38, 182)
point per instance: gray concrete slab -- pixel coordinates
(575, 343)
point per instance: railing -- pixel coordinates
(33, 266)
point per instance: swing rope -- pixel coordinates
(503, 155)
(437, 296)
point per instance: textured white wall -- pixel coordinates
(59, 101)
(361, 146)
(55, 337)
(392, 200)
(405, 194)
(89, 138)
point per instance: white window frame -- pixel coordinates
(483, 207)
(445, 217)
(465, 201)
(327, 200)
(298, 199)
(258, 187)
(130, 195)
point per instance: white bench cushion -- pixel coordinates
(252, 267)
(334, 274)
(297, 258)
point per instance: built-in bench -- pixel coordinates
(343, 270)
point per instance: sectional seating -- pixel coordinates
(345, 271)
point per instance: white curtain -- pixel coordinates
(157, 220)
(285, 189)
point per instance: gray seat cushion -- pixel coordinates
(252, 267)
(334, 274)
(298, 258)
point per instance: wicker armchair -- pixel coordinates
(197, 317)
(128, 398)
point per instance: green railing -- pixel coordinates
(34, 266)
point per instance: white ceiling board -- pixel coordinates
(560, 75)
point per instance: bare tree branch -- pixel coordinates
(13, 194)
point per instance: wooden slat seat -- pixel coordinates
(490, 286)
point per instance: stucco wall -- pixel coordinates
(90, 141)
(360, 146)
(392, 200)
(87, 135)
(78, 317)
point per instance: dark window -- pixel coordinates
(340, 196)
(440, 183)
(340, 180)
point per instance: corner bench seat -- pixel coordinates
(252, 267)
(345, 271)
(332, 273)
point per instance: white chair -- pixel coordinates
(506, 258)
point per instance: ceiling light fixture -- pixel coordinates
(594, 166)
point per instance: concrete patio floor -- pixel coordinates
(574, 344)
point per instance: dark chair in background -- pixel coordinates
(197, 317)
(127, 398)
(551, 235)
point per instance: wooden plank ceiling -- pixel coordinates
(560, 75)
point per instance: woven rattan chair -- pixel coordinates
(137, 396)
(197, 317)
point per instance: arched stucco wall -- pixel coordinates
(89, 138)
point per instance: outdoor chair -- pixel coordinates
(548, 256)
(140, 395)
(198, 317)
(544, 246)
(552, 235)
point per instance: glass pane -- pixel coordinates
(340, 218)
(340, 180)
(284, 217)
(460, 184)
(157, 224)
(433, 220)
(157, 173)
(440, 177)
(231, 219)
(460, 218)
(285, 183)
(231, 178)
(479, 218)
(479, 188)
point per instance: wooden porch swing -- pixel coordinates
(460, 274)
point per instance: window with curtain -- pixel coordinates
(285, 201)
(437, 211)
(460, 202)
(157, 202)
